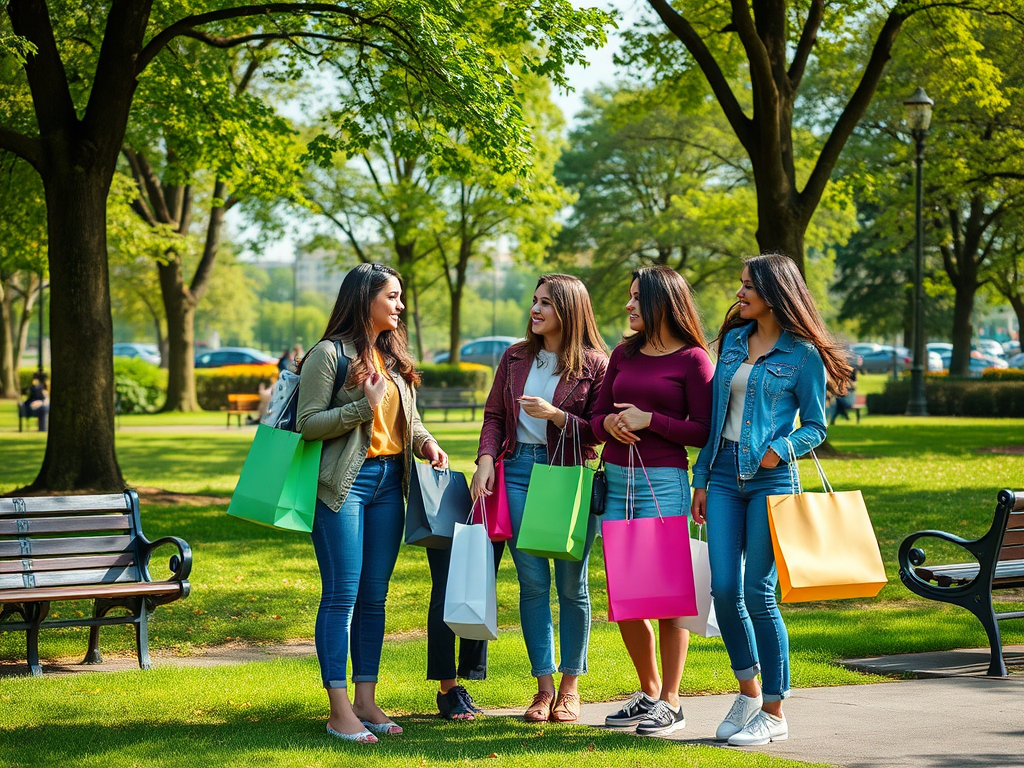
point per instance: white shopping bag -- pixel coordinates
(704, 623)
(471, 602)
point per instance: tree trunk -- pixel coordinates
(779, 229)
(80, 452)
(9, 385)
(181, 363)
(963, 330)
(33, 291)
(1017, 302)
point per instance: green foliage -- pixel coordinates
(213, 387)
(139, 386)
(946, 396)
(461, 376)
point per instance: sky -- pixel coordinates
(600, 69)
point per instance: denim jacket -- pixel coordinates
(790, 378)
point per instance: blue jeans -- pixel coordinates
(535, 582)
(743, 575)
(356, 549)
(671, 488)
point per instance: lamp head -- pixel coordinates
(918, 110)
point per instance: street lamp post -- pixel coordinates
(919, 117)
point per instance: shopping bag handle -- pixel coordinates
(577, 444)
(483, 511)
(631, 484)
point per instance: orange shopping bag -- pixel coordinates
(825, 545)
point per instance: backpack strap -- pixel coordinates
(342, 373)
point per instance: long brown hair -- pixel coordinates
(350, 320)
(575, 315)
(781, 286)
(665, 298)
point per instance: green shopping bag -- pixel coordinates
(278, 483)
(557, 512)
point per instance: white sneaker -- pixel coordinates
(744, 709)
(761, 730)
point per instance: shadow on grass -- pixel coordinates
(259, 731)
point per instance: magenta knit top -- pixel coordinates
(676, 388)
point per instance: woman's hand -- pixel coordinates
(632, 418)
(539, 408)
(613, 426)
(374, 387)
(432, 452)
(482, 483)
(699, 506)
(771, 459)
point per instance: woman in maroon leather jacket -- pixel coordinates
(544, 385)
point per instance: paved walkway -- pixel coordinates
(952, 716)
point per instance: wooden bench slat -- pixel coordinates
(1011, 553)
(37, 564)
(1006, 569)
(65, 524)
(1016, 521)
(1012, 538)
(50, 594)
(70, 578)
(80, 545)
(32, 505)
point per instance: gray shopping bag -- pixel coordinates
(437, 500)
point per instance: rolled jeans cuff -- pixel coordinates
(573, 672)
(329, 684)
(364, 678)
(747, 674)
(774, 696)
(542, 672)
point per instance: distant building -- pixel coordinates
(318, 271)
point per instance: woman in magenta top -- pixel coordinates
(656, 397)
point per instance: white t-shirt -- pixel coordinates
(737, 391)
(540, 383)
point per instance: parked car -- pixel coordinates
(989, 347)
(881, 360)
(1011, 348)
(1017, 361)
(233, 356)
(978, 363)
(864, 348)
(486, 350)
(148, 352)
(942, 347)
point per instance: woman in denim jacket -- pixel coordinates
(775, 360)
(544, 387)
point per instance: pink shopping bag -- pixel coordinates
(647, 561)
(493, 510)
(650, 573)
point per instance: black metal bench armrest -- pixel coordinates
(911, 558)
(180, 565)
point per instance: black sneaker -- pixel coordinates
(662, 720)
(456, 702)
(632, 712)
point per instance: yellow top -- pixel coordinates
(388, 424)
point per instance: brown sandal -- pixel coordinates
(566, 709)
(539, 710)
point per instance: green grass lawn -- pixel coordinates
(255, 585)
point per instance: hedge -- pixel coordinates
(458, 376)
(213, 385)
(954, 397)
(139, 387)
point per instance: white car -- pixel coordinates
(989, 347)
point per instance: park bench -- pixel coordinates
(447, 399)
(1000, 565)
(860, 402)
(23, 419)
(239, 405)
(57, 548)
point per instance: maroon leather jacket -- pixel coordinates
(574, 395)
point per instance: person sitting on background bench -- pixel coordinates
(38, 401)
(845, 403)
